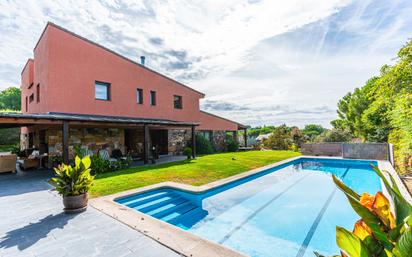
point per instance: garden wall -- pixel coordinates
(376, 151)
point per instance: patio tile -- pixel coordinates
(34, 225)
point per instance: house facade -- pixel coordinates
(110, 101)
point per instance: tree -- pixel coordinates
(279, 139)
(334, 135)
(380, 111)
(313, 130)
(10, 99)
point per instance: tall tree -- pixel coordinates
(10, 99)
(311, 131)
(381, 110)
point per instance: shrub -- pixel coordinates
(231, 145)
(188, 152)
(99, 165)
(76, 180)
(334, 135)
(203, 145)
(379, 232)
(279, 139)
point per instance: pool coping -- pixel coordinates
(182, 241)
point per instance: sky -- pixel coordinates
(259, 62)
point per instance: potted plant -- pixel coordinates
(73, 184)
(188, 152)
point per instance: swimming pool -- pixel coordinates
(289, 210)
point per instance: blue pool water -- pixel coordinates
(290, 210)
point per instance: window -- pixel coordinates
(177, 99)
(38, 93)
(27, 104)
(139, 96)
(152, 97)
(102, 91)
(31, 98)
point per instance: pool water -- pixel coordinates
(289, 210)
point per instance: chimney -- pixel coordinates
(142, 58)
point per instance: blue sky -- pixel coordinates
(259, 62)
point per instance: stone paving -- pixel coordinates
(32, 224)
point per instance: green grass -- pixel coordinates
(196, 172)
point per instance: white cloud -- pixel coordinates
(302, 55)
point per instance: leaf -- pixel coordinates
(382, 207)
(77, 162)
(86, 162)
(344, 188)
(350, 243)
(367, 200)
(403, 247)
(402, 208)
(373, 222)
(361, 230)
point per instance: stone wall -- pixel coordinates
(90, 138)
(219, 140)
(178, 140)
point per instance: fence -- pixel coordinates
(375, 151)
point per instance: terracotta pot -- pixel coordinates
(73, 204)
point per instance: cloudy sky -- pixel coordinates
(259, 62)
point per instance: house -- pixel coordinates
(76, 92)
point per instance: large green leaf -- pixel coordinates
(403, 247)
(350, 243)
(402, 208)
(373, 221)
(345, 188)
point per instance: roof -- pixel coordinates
(241, 126)
(8, 119)
(263, 136)
(115, 53)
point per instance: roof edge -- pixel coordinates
(49, 23)
(240, 125)
(25, 65)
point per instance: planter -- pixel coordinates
(75, 204)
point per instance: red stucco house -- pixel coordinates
(77, 92)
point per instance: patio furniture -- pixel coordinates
(30, 162)
(87, 152)
(104, 154)
(8, 163)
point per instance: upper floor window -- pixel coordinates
(152, 97)
(102, 91)
(27, 104)
(139, 96)
(38, 93)
(31, 98)
(177, 100)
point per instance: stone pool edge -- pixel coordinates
(175, 238)
(184, 242)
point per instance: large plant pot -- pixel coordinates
(74, 204)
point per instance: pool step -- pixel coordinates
(174, 210)
(165, 205)
(158, 203)
(132, 201)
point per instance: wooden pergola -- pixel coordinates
(65, 121)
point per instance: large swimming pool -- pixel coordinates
(290, 210)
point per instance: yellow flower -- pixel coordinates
(367, 200)
(381, 207)
(361, 230)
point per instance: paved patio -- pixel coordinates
(32, 224)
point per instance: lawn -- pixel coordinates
(202, 170)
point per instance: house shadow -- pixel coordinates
(28, 235)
